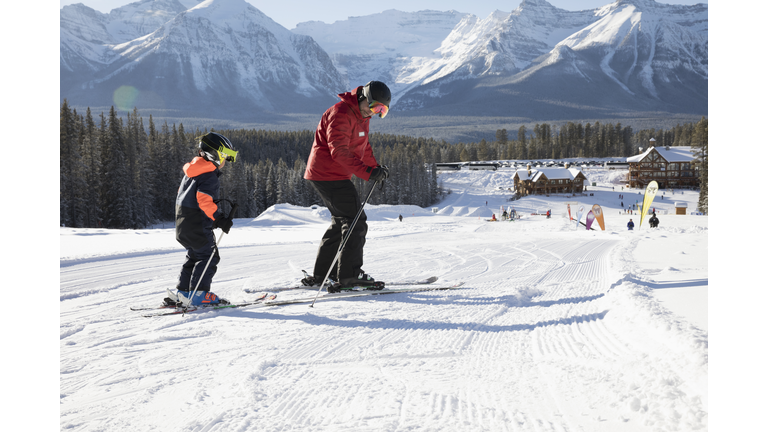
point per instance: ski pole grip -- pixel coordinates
(232, 211)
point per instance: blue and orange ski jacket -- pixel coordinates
(196, 207)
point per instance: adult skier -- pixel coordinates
(340, 150)
(197, 215)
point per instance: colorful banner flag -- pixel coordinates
(578, 215)
(650, 194)
(590, 219)
(598, 213)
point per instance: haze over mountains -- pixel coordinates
(224, 61)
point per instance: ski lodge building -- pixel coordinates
(545, 181)
(671, 167)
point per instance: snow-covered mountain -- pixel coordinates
(225, 59)
(400, 47)
(542, 62)
(220, 59)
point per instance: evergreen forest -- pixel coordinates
(123, 172)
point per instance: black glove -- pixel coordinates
(379, 173)
(223, 223)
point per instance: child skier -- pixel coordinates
(197, 215)
(630, 225)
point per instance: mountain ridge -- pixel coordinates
(226, 60)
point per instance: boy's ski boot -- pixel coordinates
(201, 298)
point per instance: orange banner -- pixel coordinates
(598, 212)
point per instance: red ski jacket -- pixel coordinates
(341, 146)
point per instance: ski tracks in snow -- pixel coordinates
(544, 336)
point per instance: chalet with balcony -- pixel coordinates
(670, 167)
(545, 181)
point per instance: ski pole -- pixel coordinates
(215, 250)
(344, 242)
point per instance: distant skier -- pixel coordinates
(197, 215)
(654, 221)
(549, 213)
(630, 225)
(401, 218)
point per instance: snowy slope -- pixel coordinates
(556, 328)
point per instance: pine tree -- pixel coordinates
(700, 141)
(71, 169)
(91, 153)
(116, 176)
(502, 144)
(158, 173)
(482, 151)
(260, 186)
(141, 171)
(271, 184)
(522, 147)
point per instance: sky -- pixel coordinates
(291, 12)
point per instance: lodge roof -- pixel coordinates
(549, 173)
(670, 154)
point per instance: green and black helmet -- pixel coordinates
(216, 148)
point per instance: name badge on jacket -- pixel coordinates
(362, 133)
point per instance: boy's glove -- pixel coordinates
(223, 223)
(379, 173)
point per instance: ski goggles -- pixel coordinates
(379, 108)
(226, 154)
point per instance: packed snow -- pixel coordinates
(556, 328)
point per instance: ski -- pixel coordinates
(167, 306)
(180, 310)
(268, 301)
(427, 281)
(354, 293)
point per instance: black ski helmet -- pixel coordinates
(216, 148)
(377, 91)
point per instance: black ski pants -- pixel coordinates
(194, 264)
(343, 202)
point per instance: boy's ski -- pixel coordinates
(427, 281)
(167, 306)
(345, 294)
(178, 309)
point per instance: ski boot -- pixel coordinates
(201, 298)
(311, 281)
(362, 280)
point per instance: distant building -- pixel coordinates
(616, 165)
(483, 166)
(449, 166)
(544, 181)
(670, 167)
